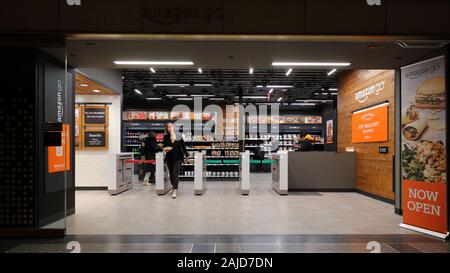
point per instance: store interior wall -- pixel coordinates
(97, 168)
(374, 171)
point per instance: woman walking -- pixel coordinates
(175, 153)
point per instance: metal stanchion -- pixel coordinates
(161, 175)
(199, 173)
(245, 173)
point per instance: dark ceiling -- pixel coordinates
(228, 83)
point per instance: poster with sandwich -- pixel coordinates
(423, 152)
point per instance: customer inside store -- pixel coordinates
(305, 142)
(148, 151)
(176, 152)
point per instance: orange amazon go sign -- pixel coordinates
(370, 125)
(59, 157)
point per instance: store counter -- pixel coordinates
(313, 171)
(321, 171)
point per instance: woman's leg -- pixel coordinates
(176, 173)
(170, 166)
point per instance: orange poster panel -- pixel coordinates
(59, 157)
(425, 205)
(370, 125)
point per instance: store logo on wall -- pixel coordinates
(167, 15)
(422, 71)
(374, 2)
(59, 100)
(73, 2)
(363, 95)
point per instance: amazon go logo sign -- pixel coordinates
(73, 2)
(374, 2)
(363, 95)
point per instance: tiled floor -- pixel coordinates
(223, 221)
(231, 244)
(222, 210)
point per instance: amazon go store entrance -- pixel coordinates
(225, 134)
(278, 143)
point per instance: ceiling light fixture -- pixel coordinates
(153, 63)
(279, 86)
(153, 98)
(271, 91)
(84, 85)
(332, 89)
(176, 95)
(334, 94)
(216, 99)
(324, 93)
(185, 98)
(203, 84)
(200, 70)
(137, 91)
(96, 91)
(152, 70)
(171, 84)
(332, 72)
(253, 97)
(201, 95)
(289, 72)
(280, 99)
(310, 64)
(251, 71)
(316, 94)
(304, 104)
(259, 86)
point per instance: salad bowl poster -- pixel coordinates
(424, 158)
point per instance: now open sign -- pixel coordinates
(425, 205)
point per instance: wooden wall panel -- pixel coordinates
(373, 170)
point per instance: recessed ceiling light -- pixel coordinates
(259, 86)
(137, 91)
(171, 84)
(334, 94)
(152, 70)
(253, 97)
(153, 62)
(304, 104)
(310, 64)
(289, 72)
(324, 93)
(332, 72)
(84, 85)
(96, 91)
(316, 94)
(279, 86)
(332, 89)
(176, 95)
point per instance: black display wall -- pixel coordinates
(54, 106)
(18, 158)
(29, 197)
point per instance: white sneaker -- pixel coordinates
(146, 183)
(174, 194)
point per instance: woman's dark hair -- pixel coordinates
(302, 134)
(152, 135)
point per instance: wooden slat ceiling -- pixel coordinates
(91, 85)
